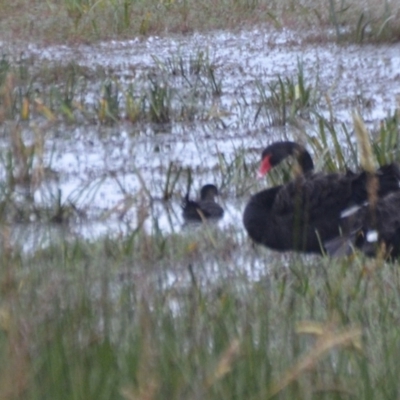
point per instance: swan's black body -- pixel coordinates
(206, 207)
(305, 213)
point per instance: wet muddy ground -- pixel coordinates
(115, 174)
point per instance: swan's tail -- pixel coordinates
(341, 246)
(366, 241)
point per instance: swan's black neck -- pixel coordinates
(305, 161)
(280, 150)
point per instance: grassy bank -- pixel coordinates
(132, 320)
(88, 20)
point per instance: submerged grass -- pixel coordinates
(286, 99)
(174, 89)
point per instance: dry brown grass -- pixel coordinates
(88, 20)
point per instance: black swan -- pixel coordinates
(204, 208)
(305, 213)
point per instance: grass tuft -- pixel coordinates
(286, 99)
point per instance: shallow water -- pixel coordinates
(107, 172)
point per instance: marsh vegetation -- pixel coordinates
(104, 294)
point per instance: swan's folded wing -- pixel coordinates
(388, 182)
(389, 179)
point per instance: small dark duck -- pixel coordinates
(205, 208)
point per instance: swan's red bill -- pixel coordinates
(265, 166)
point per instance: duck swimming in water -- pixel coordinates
(205, 208)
